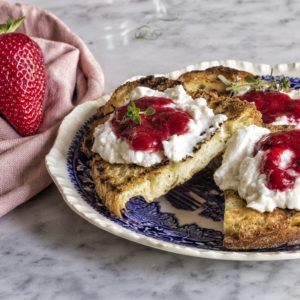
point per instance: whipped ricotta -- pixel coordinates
(202, 123)
(284, 120)
(240, 171)
(294, 94)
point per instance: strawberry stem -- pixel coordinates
(11, 25)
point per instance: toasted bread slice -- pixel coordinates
(117, 183)
(246, 228)
(208, 79)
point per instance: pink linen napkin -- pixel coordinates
(73, 76)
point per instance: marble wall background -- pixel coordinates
(48, 252)
(192, 31)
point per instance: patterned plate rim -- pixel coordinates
(56, 163)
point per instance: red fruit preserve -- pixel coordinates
(280, 173)
(153, 129)
(274, 104)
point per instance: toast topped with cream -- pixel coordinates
(152, 135)
(272, 97)
(260, 177)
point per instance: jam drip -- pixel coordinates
(155, 128)
(281, 162)
(274, 104)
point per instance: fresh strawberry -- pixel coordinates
(22, 79)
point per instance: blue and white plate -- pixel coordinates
(188, 220)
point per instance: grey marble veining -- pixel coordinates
(192, 31)
(48, 252)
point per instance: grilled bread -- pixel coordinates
(246, 228)
(117, 183)
(208, 79)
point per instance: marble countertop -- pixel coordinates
(48, 252)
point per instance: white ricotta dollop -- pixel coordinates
(294, 94)
(284, 120)
(240, 171)
(240, 146)
(203, 122)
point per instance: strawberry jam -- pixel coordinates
(153, 129)
(274, 104)
(281, 162)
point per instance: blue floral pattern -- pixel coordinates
(199, 196)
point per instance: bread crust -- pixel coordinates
(117, 183)
(122, 93)
(208, 79)
(246, 228)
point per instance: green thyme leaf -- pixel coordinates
(284, 82)
(131, 106)
(150, 111)
(273, 85)
(255, 83)
(137, 120)
(133, 112)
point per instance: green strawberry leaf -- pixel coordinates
(11, 25)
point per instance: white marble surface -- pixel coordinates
(48, 252)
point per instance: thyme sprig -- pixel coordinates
(255, 83)
(282, 84)
(134, 113)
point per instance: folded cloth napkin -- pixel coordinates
(73, 76)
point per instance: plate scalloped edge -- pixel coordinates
(56, 163)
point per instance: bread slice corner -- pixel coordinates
(246, 228)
